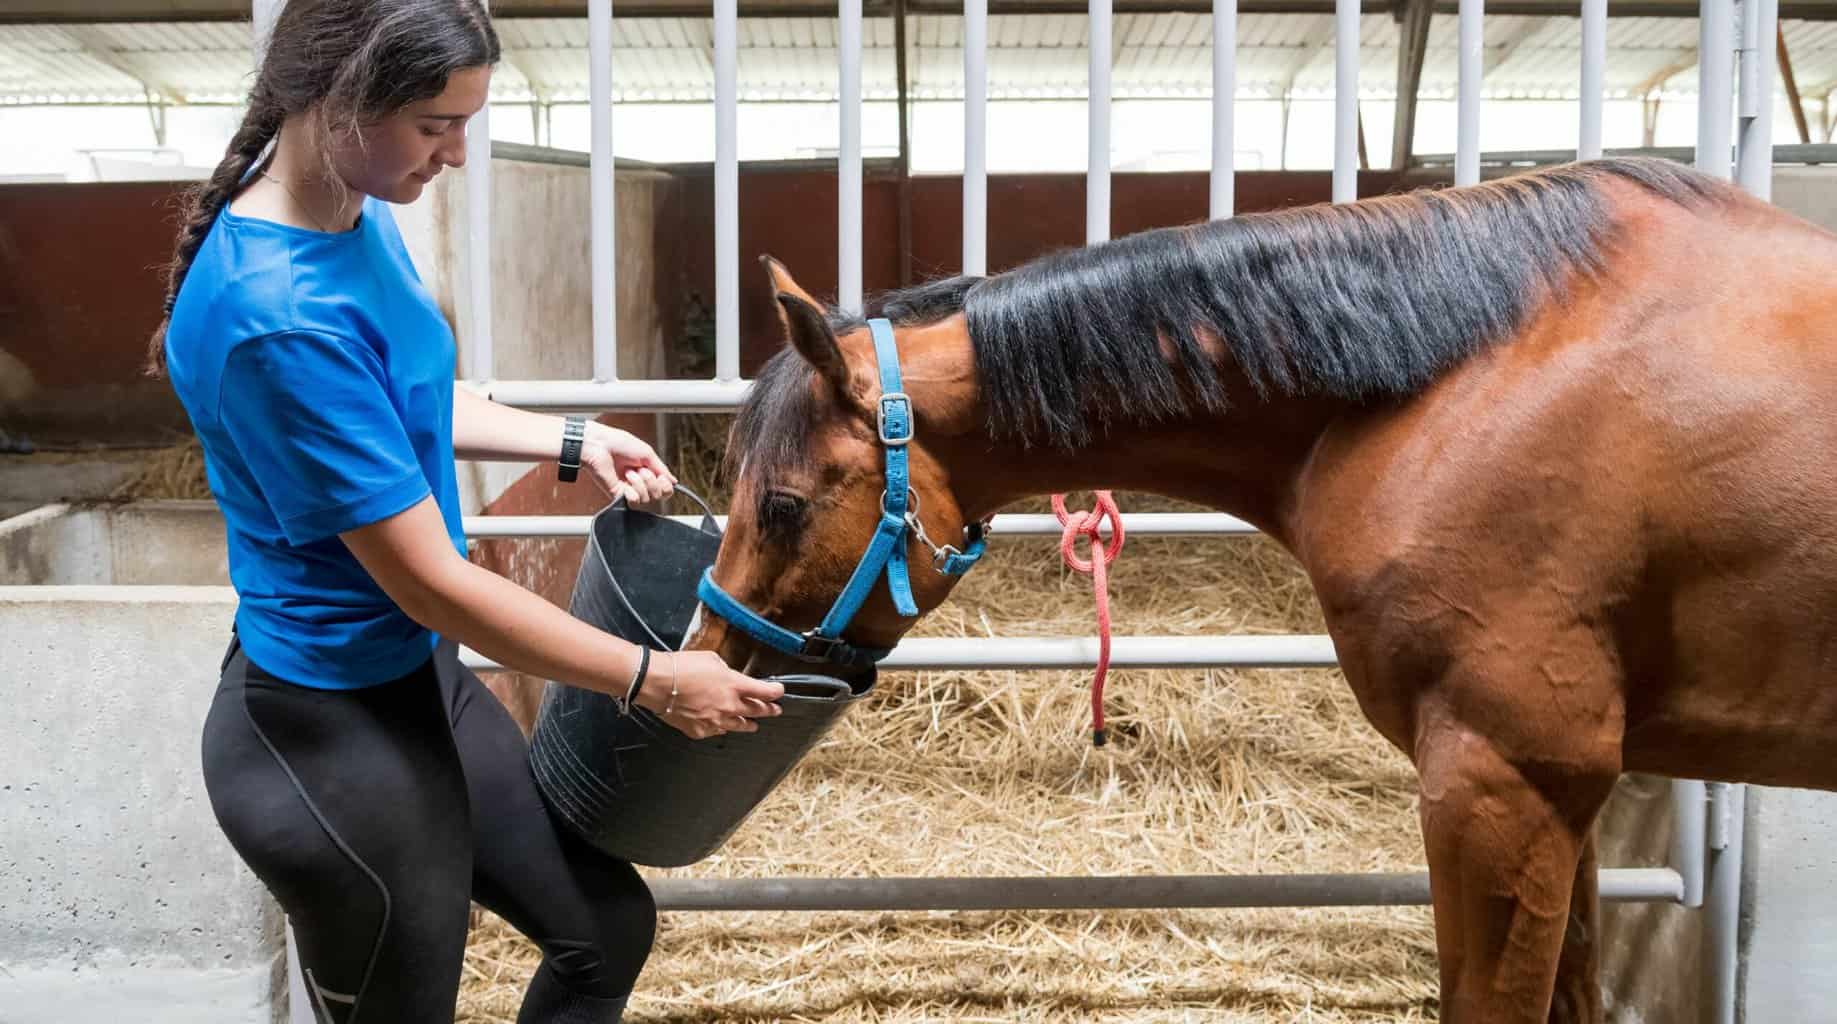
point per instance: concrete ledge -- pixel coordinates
(134, 544)
(140, 995)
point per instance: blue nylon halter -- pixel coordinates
(887, 550)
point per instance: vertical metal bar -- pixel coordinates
(1754, 145)
(1722, 903)
(903, 104)
(848, 160)
(262, 21)
(1689, 816)
(975, 137)
(1097, 176)
(1472, 68)
(1345, 101)
(726, 191)
(1715, 86)
(478, 243)
(1594, 69)
(1224, 107)
(602, 206)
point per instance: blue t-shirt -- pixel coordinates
(318, 373)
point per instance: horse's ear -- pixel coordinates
(806, 327)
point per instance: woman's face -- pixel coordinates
(394, 158)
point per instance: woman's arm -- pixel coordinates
(409, 556)
(623, 464)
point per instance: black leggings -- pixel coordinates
(376, 815)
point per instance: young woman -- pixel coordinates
(371, 782)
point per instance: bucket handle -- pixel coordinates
(708, 527)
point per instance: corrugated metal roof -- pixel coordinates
(1044, 56)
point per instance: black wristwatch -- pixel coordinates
(573, 432)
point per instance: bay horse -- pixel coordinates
(1556, 452)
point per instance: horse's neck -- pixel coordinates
(1245, 462)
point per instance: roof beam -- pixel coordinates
(1510, 45)
(52, 12)
(96, 46)
(92, 11)
(1665, 74)
(1412, 46)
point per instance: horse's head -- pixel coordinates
(813, 570)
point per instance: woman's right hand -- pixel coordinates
(711, 699)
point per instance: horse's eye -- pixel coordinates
(781, 514)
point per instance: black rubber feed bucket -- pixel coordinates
(633, 786)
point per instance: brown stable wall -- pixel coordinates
(81, 268)
(81, 281)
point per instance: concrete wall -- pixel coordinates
(120, 900)
(1810, 192)
(1789, 906)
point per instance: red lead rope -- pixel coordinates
(1087, 524)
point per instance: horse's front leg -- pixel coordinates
(1577, 995)
(1507, 827)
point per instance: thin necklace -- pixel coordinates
(296, 198)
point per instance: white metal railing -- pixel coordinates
(1707, 840)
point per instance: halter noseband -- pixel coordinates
(887, 550)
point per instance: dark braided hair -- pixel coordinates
(342, 64)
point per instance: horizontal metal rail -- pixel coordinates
(1069, 652)
(619, 395)
(1019, 524)
(1797, 153)
(1152, 892)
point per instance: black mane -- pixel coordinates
(1363, 302)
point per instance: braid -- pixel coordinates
(259, 126)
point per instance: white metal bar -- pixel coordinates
(1594, 70)
(1345, 100)
(478, 243)
(1787, 153)
(262, 24)
(848, 160)
(621, 395)
(976, 137)
(1754, 146)
(1715, 87)
(1014, 524)
(1224, 108)
(1079, 652)
(1721, 958)
(726, 191)
(602, 205)
(1689, 816)
(1472, 68)
(1097, 175)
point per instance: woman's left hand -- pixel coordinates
(624, 466)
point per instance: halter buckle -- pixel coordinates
(895, 403)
